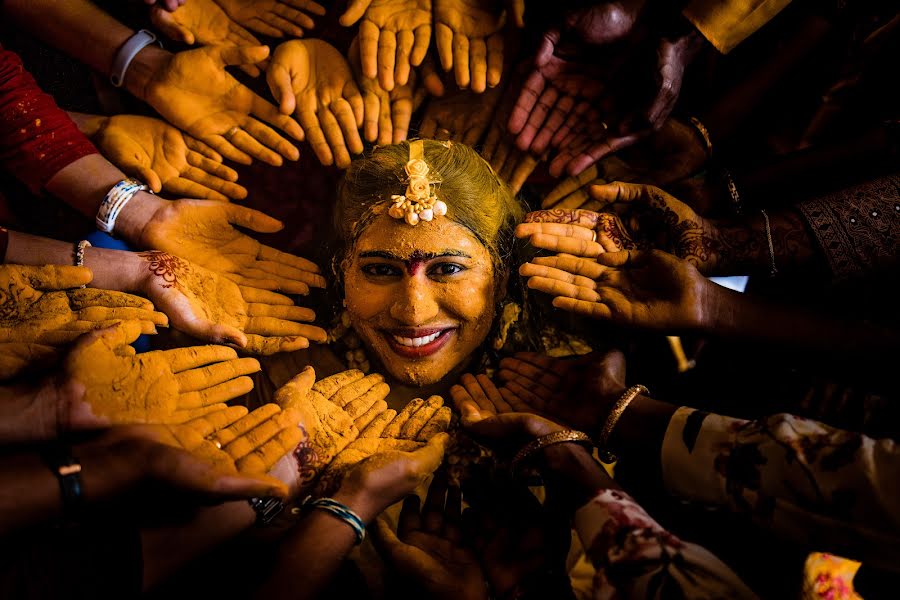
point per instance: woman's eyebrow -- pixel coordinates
(414, 256)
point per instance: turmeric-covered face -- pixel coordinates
(421, 298)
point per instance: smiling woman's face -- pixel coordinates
(421, 298)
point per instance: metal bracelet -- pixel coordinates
(774, 270)
(614, 415)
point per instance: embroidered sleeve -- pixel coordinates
(37, 138)
(836, 490)
(635, 557)
(858, 229)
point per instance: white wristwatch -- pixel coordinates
(126, 54)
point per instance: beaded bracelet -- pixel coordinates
(341, 511)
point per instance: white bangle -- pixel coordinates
(126, 54)
(116, 198)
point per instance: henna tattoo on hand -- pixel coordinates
(163, 264)
(308, 462)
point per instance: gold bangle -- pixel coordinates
(557, 437)
(704, 133)
(614, 415)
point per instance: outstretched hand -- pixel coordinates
(274, 18)
(203, 232)
(469, 40)
(44, 305)
(193, 91)
(164, 158)
(107, 384)
(313, 80)
(210, 307)
(393, 37)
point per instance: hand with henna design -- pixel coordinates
(644, 289)
(312, 79)
(44, 305)
(274, 18)
(579, 232)
(203, 232)
(108, 384)
(163, 157)
(203, 22)
(387, 26)
(212, 308)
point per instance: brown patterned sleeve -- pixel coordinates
(858, 229)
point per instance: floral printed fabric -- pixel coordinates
(635, 557)
(833, 490)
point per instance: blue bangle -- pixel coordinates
(341, 511)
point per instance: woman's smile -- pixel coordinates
(418, 343)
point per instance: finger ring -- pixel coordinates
(218, 444)
(442, 135)
(231, 132)
(593, 235)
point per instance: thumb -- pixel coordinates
(618, 259)
(57, 277)
(279, 81)
(297, 388)
(241, 55)
(149, 176)
(355, 10)
(547, 46)
(427, 459)
(165, 22)
(226, 334)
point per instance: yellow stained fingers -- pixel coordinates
(311, 270)
(561, 288)
(192, 357)
(335, 137)
(394, 428)
(263, 458)
(269, 326)
(86, 297)
(215, 394)
(386, 55)
(376, 409)
(574, 265)
(405, 41)
(461, 59)
(377, 426)
(296, 389)
(494, 59)
(356, 389)
(234, 431)
(214, 374)
(72, 331)
(558, 229)
(362, 404)
(183, 416)
(478, 65)
(102, 313)
(52, 277)
(252, 295)
(411, 428)
(328, 386)
(210, 423)
(438, 423)
(346, 116)
(570, 185)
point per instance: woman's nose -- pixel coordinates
(416, 303)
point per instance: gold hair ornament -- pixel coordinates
(419, 203)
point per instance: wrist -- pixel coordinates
(89, 125)
(145, 65)
(118, 270)
(360, 502)
(135, 216)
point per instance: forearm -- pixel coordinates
(745, 244)
(81, 29)
(113, 269)
(87, 124)
(166, 550)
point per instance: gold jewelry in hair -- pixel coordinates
(419, 203)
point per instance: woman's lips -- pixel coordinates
(418, 343)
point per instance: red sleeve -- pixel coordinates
(37, 138)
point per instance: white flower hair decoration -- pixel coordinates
(419, 203)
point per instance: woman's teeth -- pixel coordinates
(417, 341)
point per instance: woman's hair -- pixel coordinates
(476, 198)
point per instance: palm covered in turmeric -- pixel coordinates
(108, 384)
(203, 232)
(44, 305)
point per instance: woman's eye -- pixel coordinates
(380, 270)
(445, 269)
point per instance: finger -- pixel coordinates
(411, 428)
(555, 120)
(598, 151)
(270, 114)
(542, 108)
(354, 97)
(355, 10)
(269, 254)
(212, 422)
(566, 245)
(387, 51)
(86, 297)
(266, 346)
(554, 287)
(372, 116)
(102, 313)
(354, 390)
(494, 59)
(269, 326)
(288, 313)
(256, 296)
(346, 119)
(193, 357)
(216, 394)
(258, 436)
(360, 406)
(260, 26)
(438, 423)
(405, 41)
(517, 403)
(235, 430)
(524, 394)
(594, 310)
(588, 269)
(461, 60)
(377, 408)
(227, 149)
(493, 394)
(315, 136)
(410, 517)
(521, 172)
(248, 143)
(215, 182)
(462, 398)
(335, 137)
(185, 188)
(401, 113)
(285, 25)
(53, 277)
(396, 425)
(376, 428)
(479, 395)
(251, 219)
(279, 80)
(444, 41)
(368, 48)
(560, 228)
(420, 45)
(253, 282)
(204, 149)
(478, 65)
(211, 375)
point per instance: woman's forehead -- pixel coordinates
(435, 238)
